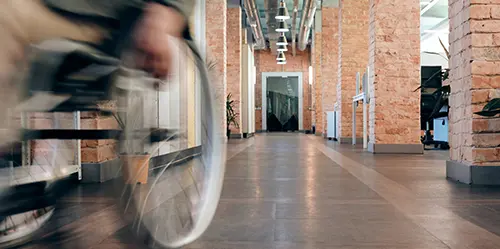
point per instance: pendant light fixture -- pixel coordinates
(281, 62)
(282, 48)
(281, 56)
(282, 40)
(282, 26)
(282, 12)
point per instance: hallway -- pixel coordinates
(292, 191)
(297, 191)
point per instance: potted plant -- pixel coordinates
(231, 115)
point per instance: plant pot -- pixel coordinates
(135, 168)
(228, 133)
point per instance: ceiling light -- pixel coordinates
(281, 62)
(282, 12)
(282, 48)
(282, 40)
(281, 56)
(282, 27)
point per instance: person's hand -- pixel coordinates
(152, 38)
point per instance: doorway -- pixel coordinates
(282, 102)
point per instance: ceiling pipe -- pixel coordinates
(254, 19)
(272, 24)
(306, 22)
(295, 12)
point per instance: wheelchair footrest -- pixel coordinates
(27, 197)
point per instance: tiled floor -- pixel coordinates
(291, 191)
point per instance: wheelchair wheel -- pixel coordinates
(173, 174)
(30, 168)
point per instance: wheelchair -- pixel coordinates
(175, 203)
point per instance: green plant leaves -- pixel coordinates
(445, 50)
(491, 109)
(231, 115)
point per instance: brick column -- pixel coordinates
(353, 58)
(394, 112)
(98, 151)
(316, 54)
(329, 61)
(216, 41)
(234, 40)
(474, 69)
(100, 160)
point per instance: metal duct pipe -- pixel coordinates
(306, 22)
(272, 24)
(254, 18)
(295, 12)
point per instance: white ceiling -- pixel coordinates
(434, 25)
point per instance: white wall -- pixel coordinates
(247, 90)
(200, 38)
(432, 44)
(433, 60)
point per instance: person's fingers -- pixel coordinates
(156, 47)
(163, 61)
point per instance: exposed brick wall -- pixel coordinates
(474, 45)
(96, 151)
(353, 58)
(265, 61)
(329, 60)
(395, 72)
(216, 41)
(93, 151)
(317, 54)
(234, 40)
(42, 150)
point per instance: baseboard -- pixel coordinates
(260, 131)
(108, 170)
(101, 172)
(473, 175)
(348, 140)
(177, 157)
(248, 135)
(236, 136)
(396, 148)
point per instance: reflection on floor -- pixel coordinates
(295, 191)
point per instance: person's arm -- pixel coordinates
(161, 19)
(177, 13)
(185, 7)
(112, 8)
